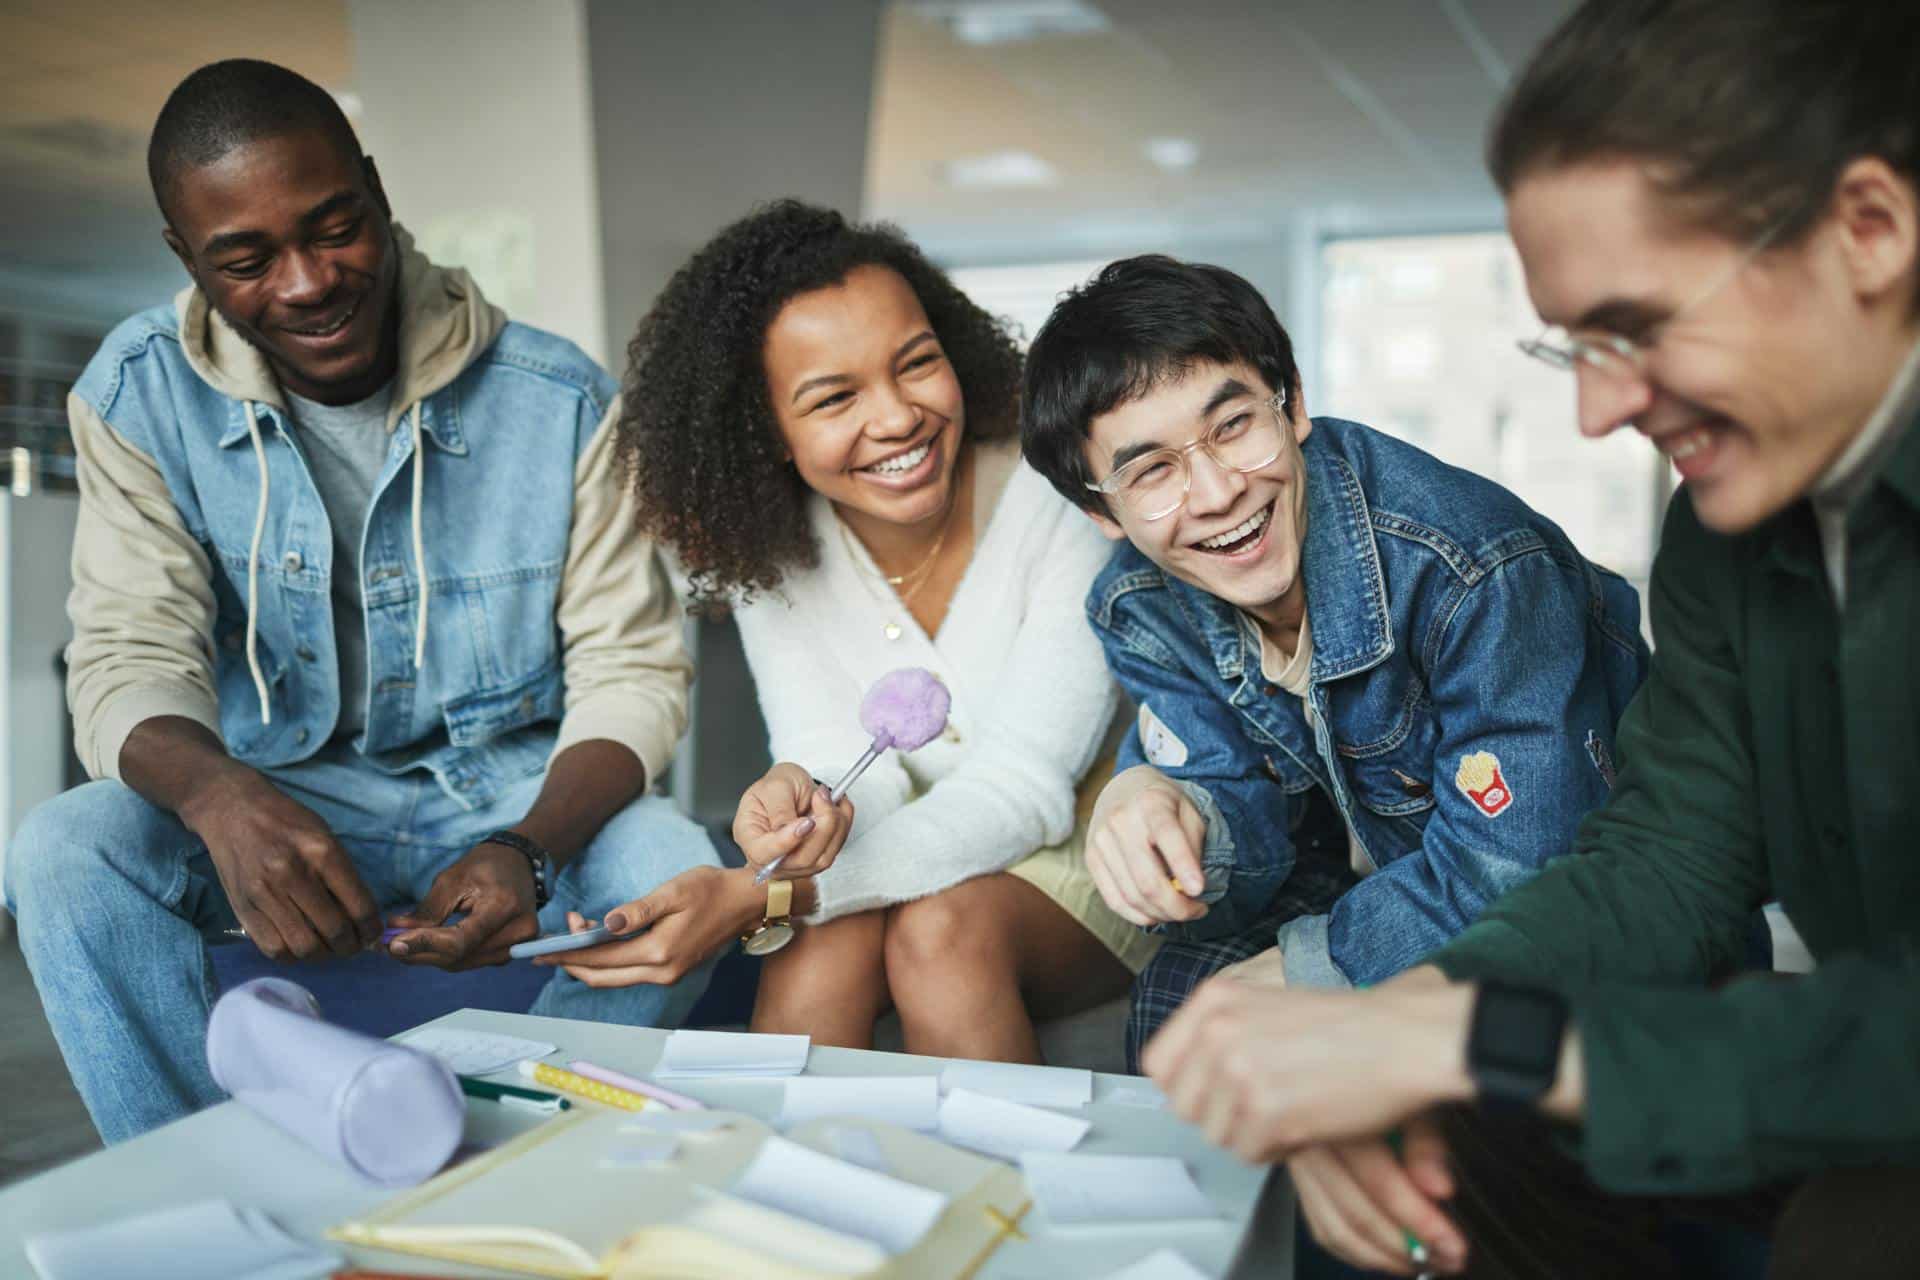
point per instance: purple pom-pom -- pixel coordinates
(907, 707)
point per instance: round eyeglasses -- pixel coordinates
(1154, 485)
(1617, 356)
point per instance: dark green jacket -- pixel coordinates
(1773, 752)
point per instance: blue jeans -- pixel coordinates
(116, 900)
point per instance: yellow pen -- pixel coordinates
(573, 1082)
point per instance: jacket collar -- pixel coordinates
(1347, 603)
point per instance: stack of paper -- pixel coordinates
(210, 1240)
(839, 1196)
(1076, 1190)
(1004, 1129)
(1016, 1082)
(695, 1055)
(912, 1102)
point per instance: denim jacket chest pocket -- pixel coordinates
(1385, 735)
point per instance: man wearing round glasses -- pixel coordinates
(1374, 691)
(1717, 205)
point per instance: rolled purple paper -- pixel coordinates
(908, 708)
(390, 1113)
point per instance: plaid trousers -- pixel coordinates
(1320, 875)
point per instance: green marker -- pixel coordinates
(1416, 1247)
(512, 1095)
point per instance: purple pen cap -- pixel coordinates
(907, 707)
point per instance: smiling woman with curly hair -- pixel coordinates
(824, 429)
(698, 431)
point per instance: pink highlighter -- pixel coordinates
(904, 710)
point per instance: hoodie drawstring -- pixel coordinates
(419, 545)
(259, 534)
(253, 562)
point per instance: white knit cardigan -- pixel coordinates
(1031, 696)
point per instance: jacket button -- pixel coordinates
(300, 736)
(1272, 689)
(305, 654)
(291, 562)
(526, 704)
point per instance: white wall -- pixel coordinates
(476, 112)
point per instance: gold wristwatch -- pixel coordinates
(775, 930)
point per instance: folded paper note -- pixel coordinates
(1080, 1190)
(692, 1055)
(912, 1102)
(209, 1240)
(390, 1113)
(475, 1053)
(1035, 1086)
(839, 1196)
(996, 1127)
(1162, 1264)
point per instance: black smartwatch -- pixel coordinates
(539, 859)
(1513, 1048)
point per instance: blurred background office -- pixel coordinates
(572, 153)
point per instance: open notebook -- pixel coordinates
(605, 1196)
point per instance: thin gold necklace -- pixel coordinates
(919, 575)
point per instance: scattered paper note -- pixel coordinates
(475, 1053)
(859, 1146)
(1163, 1264)
(209, 1240)
(1077, 1190)
(839, 1196)
(912, 1102)
(1005, 1129)
(694, 1055)
(1015, 1082)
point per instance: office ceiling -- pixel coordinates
(1259, 109)
(1256, 109)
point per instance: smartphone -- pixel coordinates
(560, 942)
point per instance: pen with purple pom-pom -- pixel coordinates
(904, 710)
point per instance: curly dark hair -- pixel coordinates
(697, 432)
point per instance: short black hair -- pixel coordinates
(1137, 323)
(1748, 109)
(227, 104)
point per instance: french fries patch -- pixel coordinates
(1480, 780)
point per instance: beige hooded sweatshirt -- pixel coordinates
(143, 606)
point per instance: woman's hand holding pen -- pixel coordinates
(787, 815)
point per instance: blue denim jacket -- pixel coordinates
(502, 435)
(1448, 620)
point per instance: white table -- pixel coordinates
(228, 1151)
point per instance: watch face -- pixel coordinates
(767, 939)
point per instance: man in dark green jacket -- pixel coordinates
(1715, 202)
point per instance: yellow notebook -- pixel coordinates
(589, 1195)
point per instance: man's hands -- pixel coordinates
(686, 920)
(293, 887)
(494, 886)
(787, 814)
(1361, 1201)
(1141, 844)
(1269, 1072)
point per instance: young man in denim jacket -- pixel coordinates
(1306, 609)
(359, 619)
